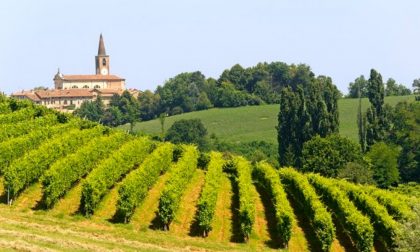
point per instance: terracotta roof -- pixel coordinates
(108, 91)
(96, 77)
(30, 95)
(79, 92)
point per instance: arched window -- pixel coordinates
(74, 86)
(104, 62)
(85, 86)
(97, 86)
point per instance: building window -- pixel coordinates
(97, 86)
(103, 62)
(74, 86)
(65, 102)
(85, 86)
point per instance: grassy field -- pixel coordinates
(251, 123)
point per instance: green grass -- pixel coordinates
(245, 124)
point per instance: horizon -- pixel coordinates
(148, 44)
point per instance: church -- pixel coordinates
(70, 91)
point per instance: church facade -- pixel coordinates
(70, 91)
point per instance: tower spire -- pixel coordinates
(101, 49)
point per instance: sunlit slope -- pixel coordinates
(255, 123)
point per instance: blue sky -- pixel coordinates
(152, 41)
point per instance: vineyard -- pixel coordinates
(64, 167)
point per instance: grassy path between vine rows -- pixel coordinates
(108, 205)
(29, 198)
(146, 211)
(70, 203)
(184, 218)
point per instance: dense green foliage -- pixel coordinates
(355, 223)
(269, 179)
(207, 202)
(135, 186)
(110, 170)
(181, 174)
(360, 84)
(376, 124)
(385, 227)
(188, 131)
(384, 164)
(409, 240)
(77, 165)
(304, 194)
(243, 170)
(405, 132)
(328, 155)
(24, 171)
(307, 108)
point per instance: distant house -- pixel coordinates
(70, 91)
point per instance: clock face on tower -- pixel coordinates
(104, 71)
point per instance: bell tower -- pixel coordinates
(102, 60)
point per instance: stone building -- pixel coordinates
(70, 91)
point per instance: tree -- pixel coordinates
(416, 88)
(188, 131)
(328, 155)
(384, 160)
(394, 89)
(91, 110)
(293, 126)
(360, 84)
(148, 104)
(376, 114)
(357, 173)
(306, 110)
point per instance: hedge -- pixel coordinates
(268, 178)
(354, 222)
(208, 198)
(68, 170)
(304, 194)
(24, 171)
(111, 170)
(181, 175)
(135, 186)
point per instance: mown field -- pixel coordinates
(72, 185)
(255, 123)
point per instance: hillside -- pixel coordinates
(255, 123)
(76, 185)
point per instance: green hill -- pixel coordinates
(251, 123)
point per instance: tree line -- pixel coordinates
(187, 92)
(360, 87)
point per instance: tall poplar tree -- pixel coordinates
(376, 119)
